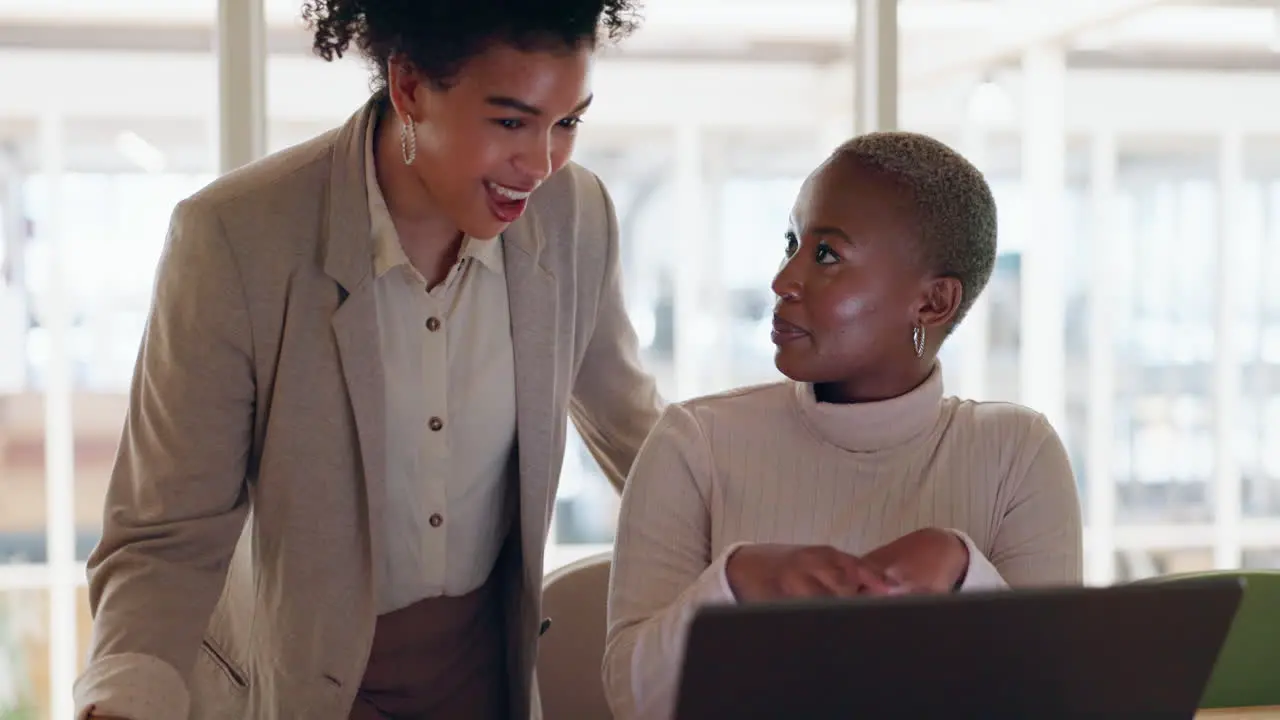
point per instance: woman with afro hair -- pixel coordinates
(348, 417)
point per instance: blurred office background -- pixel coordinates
(1134, 146)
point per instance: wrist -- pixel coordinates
(737, 570)
(729, 571)
(961, 564)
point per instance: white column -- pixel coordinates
(691, 311)
(973, 336)
(14, 292)
(876, 65)
(242, 103)
(13, 234)
(1100, 567)
(1044, 150)
(1226, 357)
(716, 299)
(59, 444)
(837, 121)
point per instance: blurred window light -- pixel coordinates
(138, 151)
(990, 104)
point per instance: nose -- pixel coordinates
(537, 162)
(787, 284)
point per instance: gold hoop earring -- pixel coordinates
(917, 340)
(408, 140)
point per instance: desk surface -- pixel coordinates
(1255, 713)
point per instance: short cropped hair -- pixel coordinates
(955, 211)
(438, 37)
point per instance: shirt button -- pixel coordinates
(436, 424)
(433, 324)
(436, 520)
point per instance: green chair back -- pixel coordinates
(1247, 672)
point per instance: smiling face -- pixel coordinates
(853, 287)
(502, 126)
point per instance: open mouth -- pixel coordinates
(505, 202)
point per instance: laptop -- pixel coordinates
(1124, 651)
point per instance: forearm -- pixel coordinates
(131, 687)
(645, 652)
(980, 573)
(177, 500)
(615, 402)
(152, 592)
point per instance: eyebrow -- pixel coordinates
(830, 231)
(510, 103)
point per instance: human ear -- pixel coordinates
(940, 300)
(404, 87)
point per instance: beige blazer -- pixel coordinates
(235, 571)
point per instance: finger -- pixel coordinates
(835, 580)
(891, 590)
(847, 576)
(868, 576)
(836, 569)
(803, 584)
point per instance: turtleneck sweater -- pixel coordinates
(772, 464)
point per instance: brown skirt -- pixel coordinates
(441, 658)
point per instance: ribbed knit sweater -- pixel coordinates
(771, 464)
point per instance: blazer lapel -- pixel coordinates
(531, 292)
(355, 329)
(348, 259)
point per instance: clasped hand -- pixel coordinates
(925, 561)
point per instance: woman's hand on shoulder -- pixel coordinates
(930, 560)
(763, 572)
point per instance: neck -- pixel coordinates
(896, 382)
(417, 216)
(874, 426)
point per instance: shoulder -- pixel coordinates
(575, 216)
(742, 402)
(681, 442)
(299, 171)
(999, 419)
(273, 202)
(572, 191)
(1006, 430)
(732, 410)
